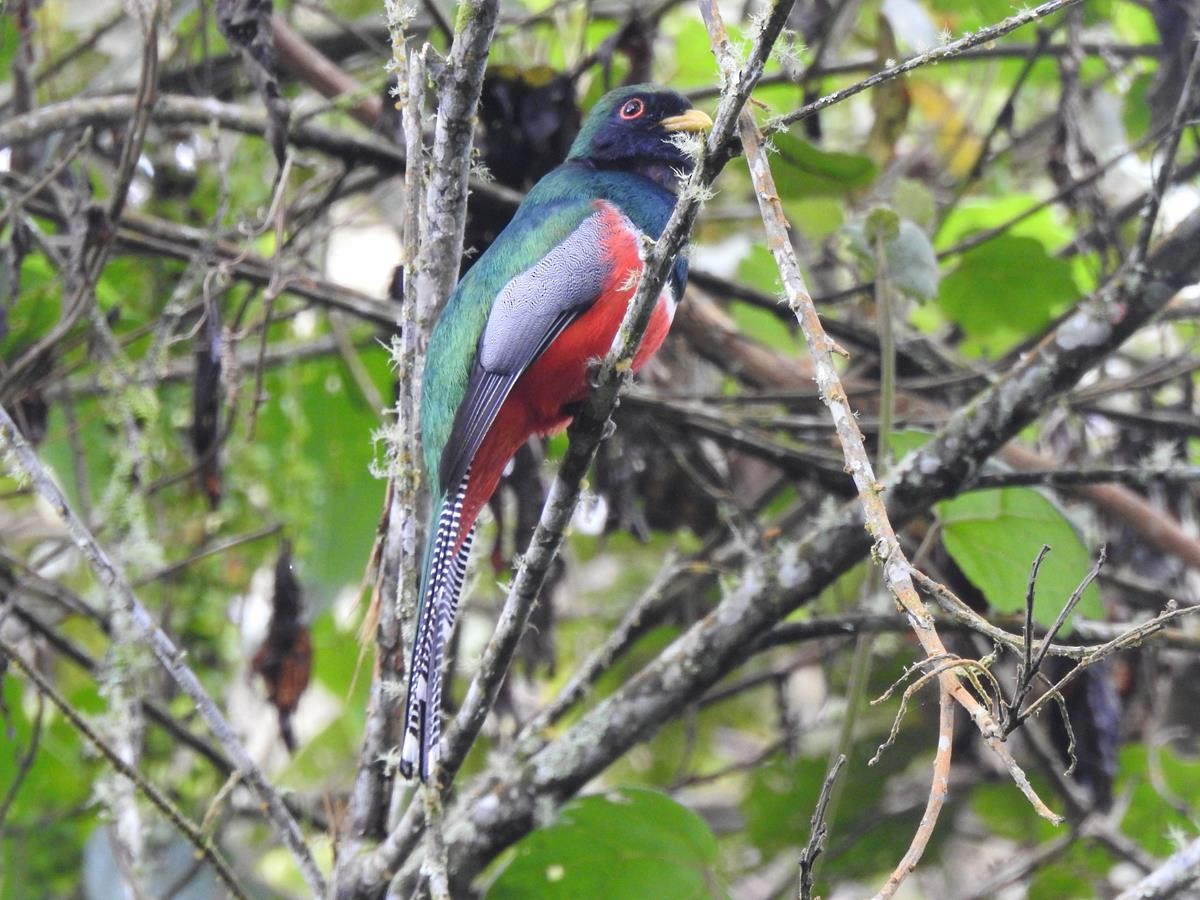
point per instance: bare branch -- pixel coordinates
(1176, 875)
(818, 831)
(21, 459)
(203, 845)
(949, 51)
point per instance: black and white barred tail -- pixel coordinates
(441, 586)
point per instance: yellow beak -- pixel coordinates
(694, 120)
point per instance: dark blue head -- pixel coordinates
(632, 128)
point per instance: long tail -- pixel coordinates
(441, 586)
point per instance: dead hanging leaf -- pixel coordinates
(206, 403)
(246, 24)
(529, 119)
(889, 101)
(285, 658)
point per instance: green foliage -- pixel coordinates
(815, 217)
(614, 846)
(1158, 814)
(975, 215)
(1136, 115)
(865, 841)
(321, 418)
(995, 535)
(1005, 291)
(35, 309)
(911, 263)
(802, 169)
(49, 810)
(1007, 813)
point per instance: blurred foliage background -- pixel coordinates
(210, 398)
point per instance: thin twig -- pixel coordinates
(1167, 166)
(147, 90)
(21, 459)
(818, 830)
(938, 790)
(203, 845)
(949, 51)
(215, 549)
(887, 548)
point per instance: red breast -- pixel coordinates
(541, 401)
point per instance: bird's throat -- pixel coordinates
(663, 174)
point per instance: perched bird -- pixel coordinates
(509, 356)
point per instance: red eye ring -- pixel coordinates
(632, 109)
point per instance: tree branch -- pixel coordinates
(21, 459)
(789, 573)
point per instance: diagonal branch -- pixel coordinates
(586, 433)
(205, 848)
(789, 573)
(1176, 875)
(20, 459)
(931, 57)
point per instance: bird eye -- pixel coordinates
(632, 109)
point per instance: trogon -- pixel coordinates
(510, 353)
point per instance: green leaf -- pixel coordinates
(9, 41)
(881, 223)
(628, 843)
(36, 307)
(1134, 24)
(865, 837)
(763, 326)
(802, 169)
(911, 262)
(1078, 874)
(1153, 812)
(913, 200)
(693, 59)
(994, 536)
(323, 481)
(1006, 812)
(1005, 291)
(978, 214)
(815, 217)
(1136, 115)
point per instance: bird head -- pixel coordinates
(636, 128)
